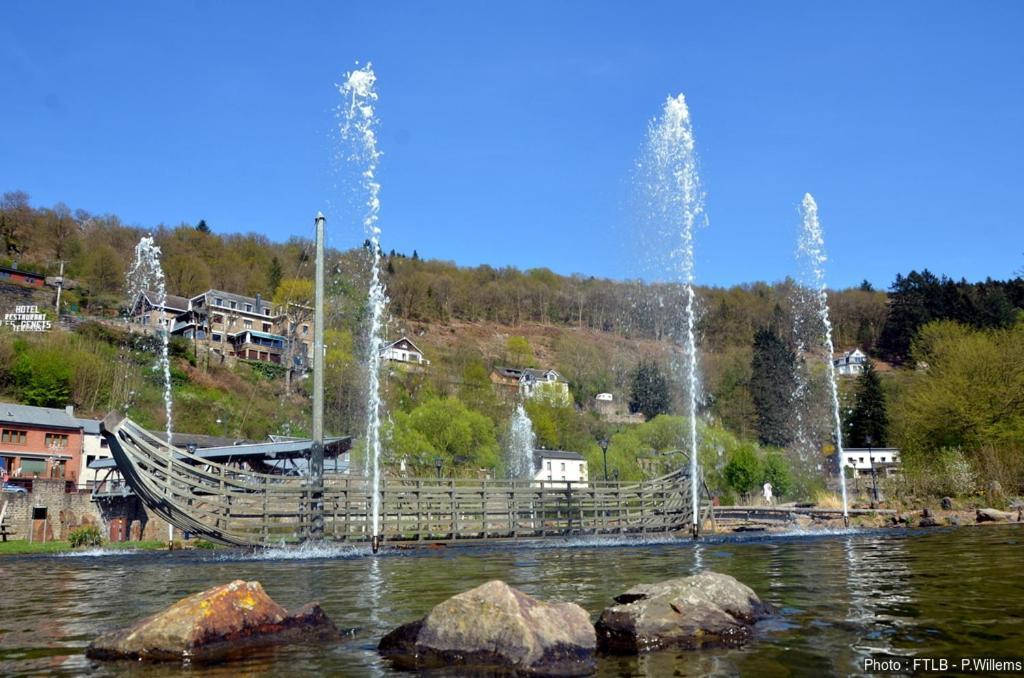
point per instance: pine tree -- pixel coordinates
(772, 383)
(869, 419)
(649, 393)
(202, 227)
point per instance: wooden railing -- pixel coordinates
(234, 506)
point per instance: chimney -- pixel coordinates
(259, 302)
(70, 409)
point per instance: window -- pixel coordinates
(266, 327)
(266, 311)
(305, 329)
(217, 318)
(234, 305)
(248, 308)
(248, 324)
(563, 468)
(56, 440)
(13, 437)
(218, 302)
(216, 337)
(549, 467)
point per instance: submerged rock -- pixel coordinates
(497, 626)
(706, 609)
(212, 623)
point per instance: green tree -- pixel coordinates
(777, 471)
(202, 227)
(445, 428)
(772, 383)
(869, 420)
(648, 392)
(743, 472)
(520, 353)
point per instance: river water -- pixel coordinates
(842, 597)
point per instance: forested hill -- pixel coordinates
(98, 248)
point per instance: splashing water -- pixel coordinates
(146, 275)
(522, 442)
(811, 248)
(358, 128)
(676, 192)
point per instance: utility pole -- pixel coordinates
(316, 461)
(60, 286)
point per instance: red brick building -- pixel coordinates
(40, 442)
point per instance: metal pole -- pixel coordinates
(316, 461)
(60, 286)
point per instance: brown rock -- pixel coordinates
(498, 627)
(208, 624)
(706, 609)
(987, 515)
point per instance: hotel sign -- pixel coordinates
(27, 319)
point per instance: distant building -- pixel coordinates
(885, 460)
(559, 466)
(94, 448)
(541, 384)
(610, 411)
(851, 363)
(8, 274)
(40, 442)
(403, 351)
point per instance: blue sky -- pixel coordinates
(510, 131)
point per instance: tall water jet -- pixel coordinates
(811, 249)
(147, 275)
(522, 442)
(359, 128)
(676, 193)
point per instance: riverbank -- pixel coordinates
(20, 547)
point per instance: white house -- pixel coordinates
(94, 447)
(862, 459)
(559, 466)
(403, 351)
(851, 363)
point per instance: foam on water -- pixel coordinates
(359, 129)
(99, 552)
(304, 551)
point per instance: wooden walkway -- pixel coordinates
(231, 506)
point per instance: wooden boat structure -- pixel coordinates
(231, 505)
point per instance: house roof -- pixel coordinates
(530, 372)
(172, 301)
(399, 341)
(37, 416)
(289, 449)
(239, 299)
(90, 426)
(557, 454)
(30, 274)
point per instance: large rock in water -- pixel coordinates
(499, 627)
(706, 609)
(211, 623)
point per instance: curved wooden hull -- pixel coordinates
(227, 505)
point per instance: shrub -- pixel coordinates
(87, 535)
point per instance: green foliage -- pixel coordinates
(203, 544)
(87, 535)
(648, 392)
(744, 471)
(772, 383)
(777, 471)
(520, 353)
(443, 428)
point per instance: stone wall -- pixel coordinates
(65, 511)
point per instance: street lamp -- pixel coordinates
(603, 442)
(871, 460)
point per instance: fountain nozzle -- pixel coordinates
(375, 543)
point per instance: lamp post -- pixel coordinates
(871, 460)
(603, 442)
